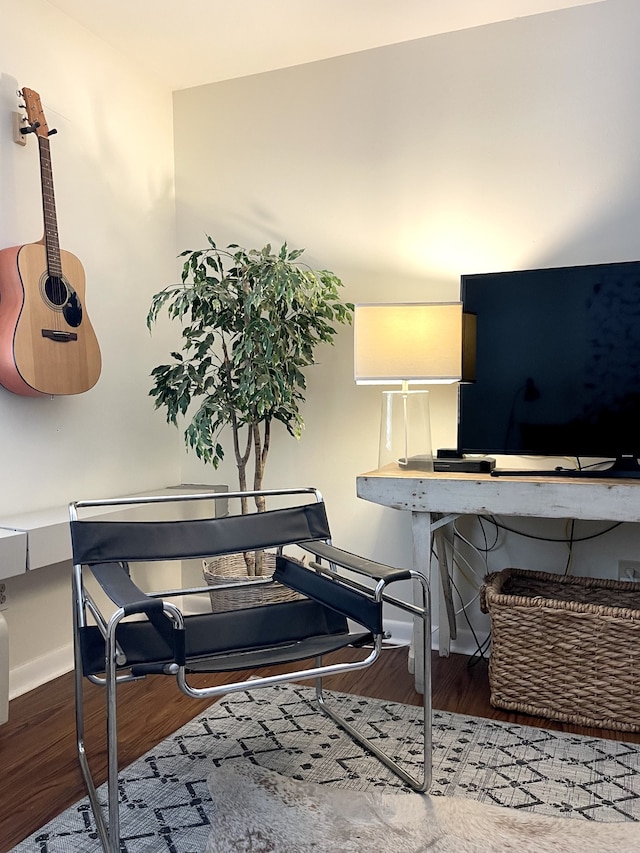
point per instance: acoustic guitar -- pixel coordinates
(47, 343)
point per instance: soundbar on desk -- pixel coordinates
(450, 460)
(484, 465)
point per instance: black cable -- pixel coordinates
(491, 519)
(480, 647)
(478, 655)
(487, 547)
(572, 528)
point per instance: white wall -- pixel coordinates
(508, 146)
(113, 167)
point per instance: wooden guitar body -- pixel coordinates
(47, 342)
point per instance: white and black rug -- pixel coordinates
(166, 804)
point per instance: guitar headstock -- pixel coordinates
(35, 114)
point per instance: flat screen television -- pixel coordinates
(557, 366)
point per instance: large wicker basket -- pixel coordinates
(565, 648)
(250, 591)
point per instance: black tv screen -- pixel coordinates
(557, 363)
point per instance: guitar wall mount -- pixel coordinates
(18, 136)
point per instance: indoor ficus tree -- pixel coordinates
(251, 320)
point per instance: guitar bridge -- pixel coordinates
(57, 335)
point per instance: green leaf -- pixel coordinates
(250, 323)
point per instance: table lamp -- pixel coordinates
(407, 344)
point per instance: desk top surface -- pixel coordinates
(478, 494)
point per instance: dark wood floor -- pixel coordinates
(39, 773)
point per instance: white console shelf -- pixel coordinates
(43, 539)
(33, 540)
(13, 552)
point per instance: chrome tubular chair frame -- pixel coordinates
(337, 591)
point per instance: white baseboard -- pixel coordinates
(36, 672)
(400, 631)
(464, 644)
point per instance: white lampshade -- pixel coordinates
(414, 342)
(403, 344)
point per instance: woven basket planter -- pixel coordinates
(565, 648)
(249, 591)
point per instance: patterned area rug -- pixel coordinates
(166, 805)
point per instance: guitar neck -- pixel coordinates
(51, 240)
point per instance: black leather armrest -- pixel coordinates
(116, 582)
(360, 565)
(330, 592)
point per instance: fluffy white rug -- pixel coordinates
(261, 811)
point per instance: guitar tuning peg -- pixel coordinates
(52, 131)
(31, 129)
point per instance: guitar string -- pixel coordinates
(52, 244)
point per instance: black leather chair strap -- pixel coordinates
(354, 605)
(113, 541)
(212, 634)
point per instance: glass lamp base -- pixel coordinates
(405, 431)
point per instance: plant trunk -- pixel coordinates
(242, 459)
(260, 452)
(259, 444)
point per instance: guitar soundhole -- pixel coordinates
(60, 296)
(55, 290)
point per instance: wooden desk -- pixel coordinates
(434, 499)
